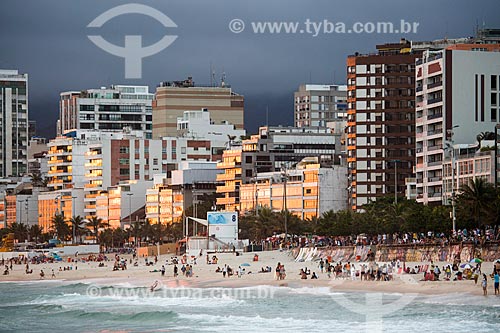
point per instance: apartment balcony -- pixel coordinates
(227, 201)
(91, 186)
(433, 181)
(224, 176)
(91, 156)
(58, 172)
(434, 148)
(58, 162)
(93, 166)
(435, 132)
(228, 165)
(435, 84)
(434, 163)
(435, 116)
(228, 188)
(434, 100)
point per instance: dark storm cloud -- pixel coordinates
(48, 40)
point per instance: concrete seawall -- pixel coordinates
(410, 253)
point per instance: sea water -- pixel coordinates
(58, 306)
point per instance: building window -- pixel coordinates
(493, 82)
(124, 150)
(494, 114)
(155, 161)
(84, 107)
(124, 172)
(493, 98)
(124, 161)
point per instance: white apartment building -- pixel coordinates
(317, 104)
(308, 190)
(111, 108)
(198, 125)
(65, 160)
(457, 97)
(13, 123)
(470, 165)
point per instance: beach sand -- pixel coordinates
(204, 275)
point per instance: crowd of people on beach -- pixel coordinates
(476, 236)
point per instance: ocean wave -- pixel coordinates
(117, 316)
(260, 323)
(71, 300)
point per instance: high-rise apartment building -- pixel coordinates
(317, 104)
(13, 123)
(457, 98)
(308, 190)
(381, 122)
(173, 98)
(273, 149)
(113, 108)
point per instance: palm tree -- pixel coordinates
(265, 224)
(476, 199)
(95, 223)
(135, 229)
(37, 180)
(59, 227)
(78, 225)
(35, 232)
(20, 231)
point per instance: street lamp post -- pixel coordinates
(130, 194)
(285, 208)
(20, 211)
(497, 127)
(73, 214)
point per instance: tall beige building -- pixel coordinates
(173, 98)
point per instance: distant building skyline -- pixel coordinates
(14, 123)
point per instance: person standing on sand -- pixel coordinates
(496, 280)
(282, 272)
(484, 284)
(162, 270)
(277, 276)
(176, 271)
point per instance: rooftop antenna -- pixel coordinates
(223, 80)
(212, 78)
(211, 82)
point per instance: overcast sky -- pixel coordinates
(48, 40)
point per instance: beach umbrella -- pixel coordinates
(476, 261)
(465, 266)
(245, 264)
